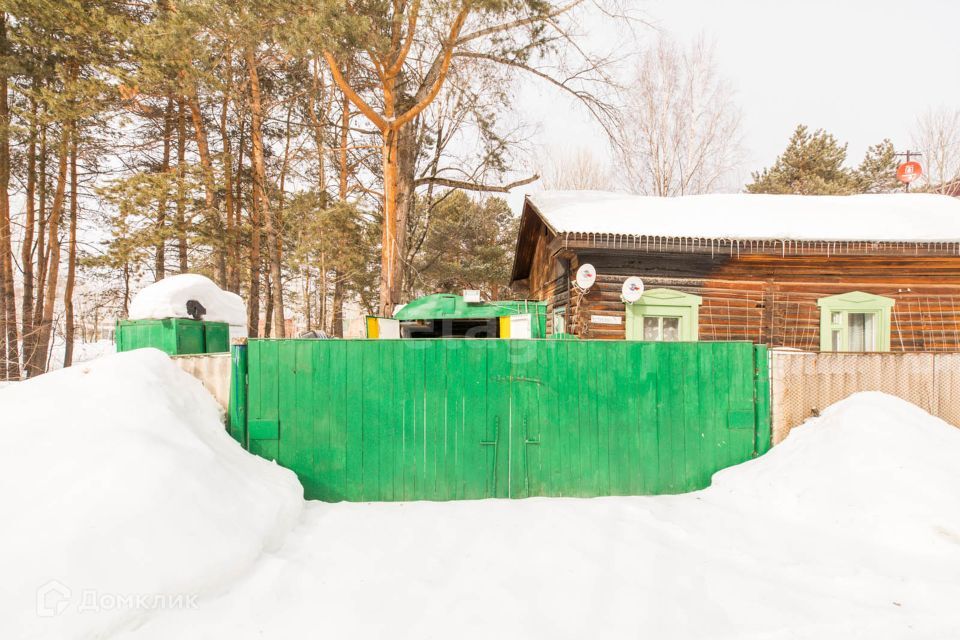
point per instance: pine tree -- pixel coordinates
(812, 164)
(878, 171)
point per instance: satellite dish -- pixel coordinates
(632, 289)
(586, 276)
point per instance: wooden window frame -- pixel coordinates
(665, 303)
(854, 302)
(560, 312)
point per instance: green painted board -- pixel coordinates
(455, 419)
(174, 336)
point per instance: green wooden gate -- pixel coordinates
(460, 419)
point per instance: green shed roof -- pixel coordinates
(448, 305)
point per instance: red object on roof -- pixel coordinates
(909, 171)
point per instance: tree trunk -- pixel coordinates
(11, 369)
(259, 193)
(344, 141)
(338, 284)
(209, 184)
(53, 248)
(126, 289)
(253, 304)
(26, 251)
(337, 312)
(34, 357)
(160, 262)
(390, 232)
(318, 128)
(407, 145)
(268, 321)
(322, 298)
(181, 188)
(307, 300)
(68, 334)
(233, 216)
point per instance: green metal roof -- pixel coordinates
(448, 305)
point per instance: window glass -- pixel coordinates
(860, 336)
(661, 329)
(560, 320)
(835, 339)
(836, 318)
(651, 329)
(671, 329)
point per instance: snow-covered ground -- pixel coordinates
(118, 480)
(849, 529)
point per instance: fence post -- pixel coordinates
(761, 395)
(237, 414)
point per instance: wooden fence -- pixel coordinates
(458, 419)
(804, 383)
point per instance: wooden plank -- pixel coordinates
(453, 382)
(435, 362)
(646, 385)
(388, 422)
(412, 422)
(608, 409)
(762, 394)
(471, 472)
(498, 432)
(708, 422)
(589, 436)
(692, 416)
(295, 448)
(354, 383)
(268, 396)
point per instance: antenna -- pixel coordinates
(586, 276)
(632, 289)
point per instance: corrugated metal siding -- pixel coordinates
(462, 419)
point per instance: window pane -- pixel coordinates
(836, 318)
(861, 332)
(671, 329)
(651, 329)
(835, 340)
(559, 320)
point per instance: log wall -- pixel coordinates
(762, 298)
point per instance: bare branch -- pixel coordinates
(473, 186)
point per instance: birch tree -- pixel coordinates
(575, 169)
(679, 127)
(937, 136)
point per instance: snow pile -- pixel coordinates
(903, 217)
(118, 480)
(849, 529)
(872, 463)
(168, 299)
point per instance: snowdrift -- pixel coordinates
(849, 529)
(168, 299)
(117, 479)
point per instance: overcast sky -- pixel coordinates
(861, 69)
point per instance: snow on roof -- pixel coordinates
(902, 217)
